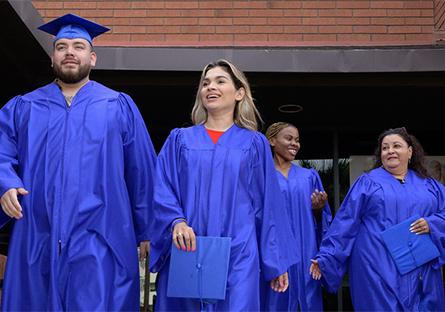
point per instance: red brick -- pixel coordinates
(129, 29)
(266, 29)
(163, 29)
(285, 37)
(40, 5)
(404, 12)
(404, 29)
(147, 37)
(284, 21)
(107, 37)
(57, 13)
(232, 29)
(251, 37)
(301, 29)
(181, 21)
(419, 4)
(335, 29)
(266, 13)
(387, 21)
(370, 29)
(387, 4)
(319, 37)
(427, 29)
(163, 13)
(215, 21)
(319, 21)
(427, 13)
(114, 5)
(147, 4)
(250, 21)
(197, 29)
(42, 13)
(305, 12)
(420, 38)
(254, 22)
(130, 13)
(418, 21)
(314, 4)
(250, 4)
(231, 13)
(335, 12)
(354, 37)
(79, 5)
(285, 4)
(215, 4)
(181, 4)
(181, 37)
(227, 38)
(369, 13)
(353, 4)
(198, 13)
(352, 21)
(146, 21)
(112, 21)
(395, 38)
(96, 13)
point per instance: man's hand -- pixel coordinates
(10, 203)
(144, 250)
(314, 270)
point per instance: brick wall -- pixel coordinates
(254, 23)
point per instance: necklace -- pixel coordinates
(68, 99)
(221, 130)
(402, 178)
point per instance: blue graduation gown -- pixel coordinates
(374, 203)
(226, 189)
(89, 171)
(304, 293)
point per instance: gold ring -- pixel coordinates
(179, 234)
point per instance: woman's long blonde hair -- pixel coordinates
(245, 114)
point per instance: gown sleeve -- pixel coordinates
(336, 246)
(166, 202)
(140, 160)
(8, 151)
(322, 226)
(272, 223)
(9, 177)
(436, 221)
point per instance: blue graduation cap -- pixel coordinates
(71, 26)
(408, 250)
(200, 274)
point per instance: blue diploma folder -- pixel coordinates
(201, 273)
(407, 249)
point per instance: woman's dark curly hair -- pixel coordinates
(417, 162)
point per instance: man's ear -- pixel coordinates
(93, 58)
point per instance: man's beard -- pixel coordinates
(71, 76)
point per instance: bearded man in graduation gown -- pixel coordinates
(76, 172)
